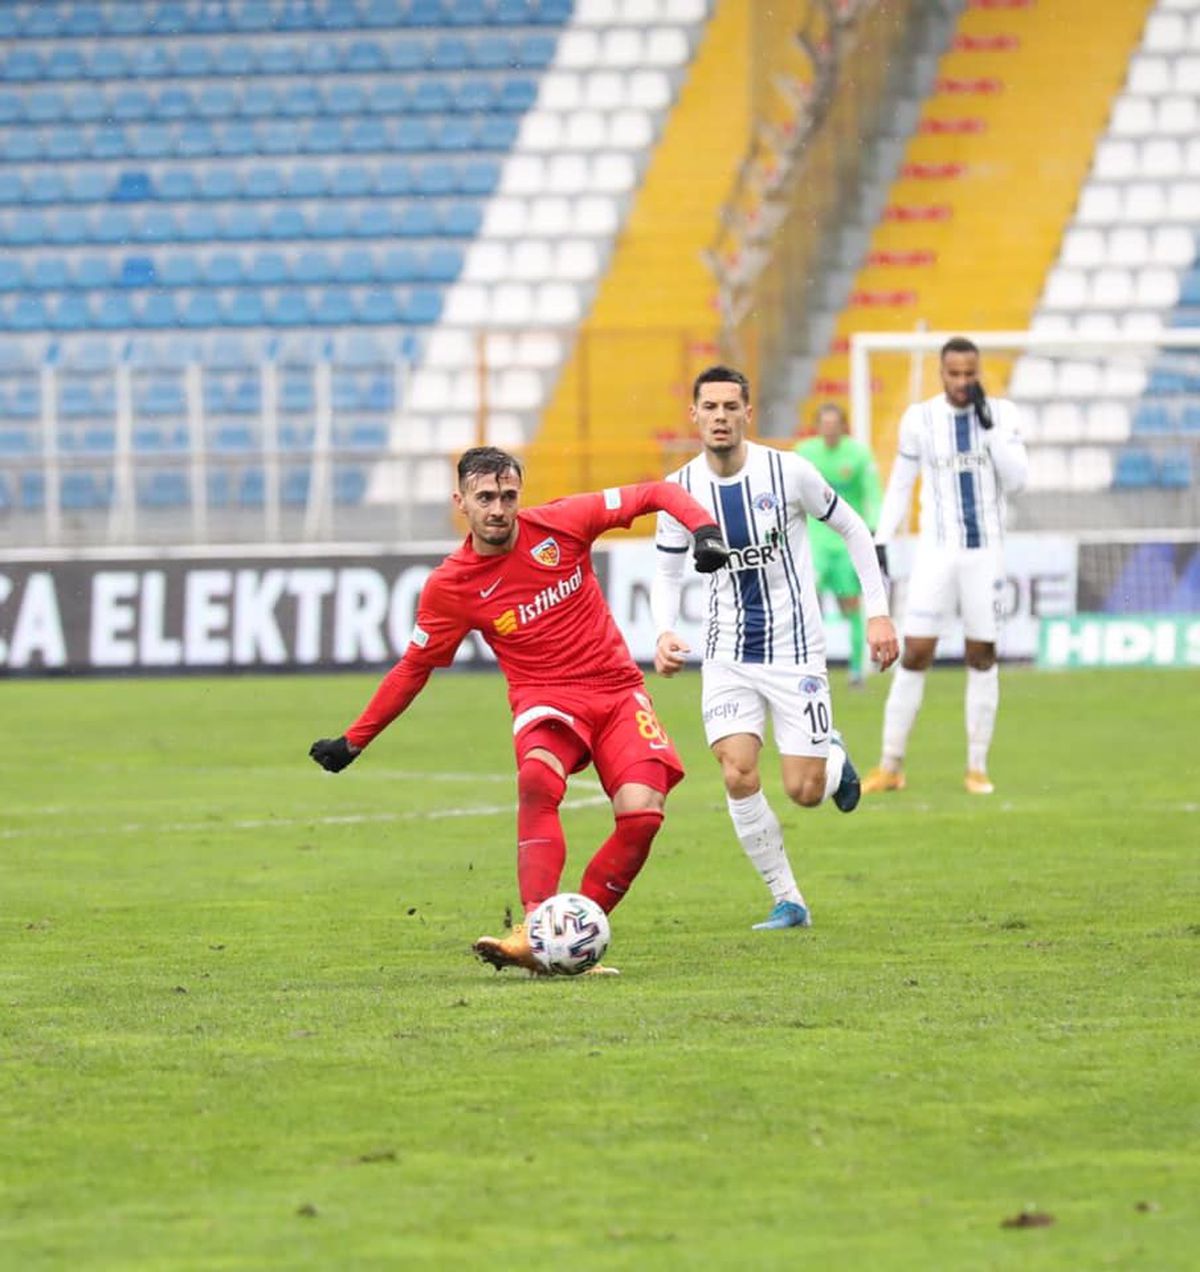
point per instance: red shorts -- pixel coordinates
(615, 729)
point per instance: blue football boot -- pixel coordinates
(786, 914)
(849, 790)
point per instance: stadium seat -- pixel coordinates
(1135, 469)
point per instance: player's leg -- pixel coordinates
(979, 582)
(814, 763)
(637, 764)
(734, 720)
(547, 751)
(931, 592)
(848, 591)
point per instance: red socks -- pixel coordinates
(611, 872)
(541, 848)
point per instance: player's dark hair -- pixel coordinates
(958, 344)
(721, 375)
(487, 461)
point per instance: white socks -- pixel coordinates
(903, 703)
(833, 769)
(982, 699)
(761, 837)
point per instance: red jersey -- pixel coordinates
(539, 605)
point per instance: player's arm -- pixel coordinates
(671, 546)
(622, 505)
(906, 468)
(823, 503)
(435, 638)
(1004, 444)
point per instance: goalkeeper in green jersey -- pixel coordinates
(849, 467)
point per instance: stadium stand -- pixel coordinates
(370, 181)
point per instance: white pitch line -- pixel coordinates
(342, 819)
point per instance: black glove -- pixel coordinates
(881, 557)
(708, 549)
(983, 412)
(333, 754)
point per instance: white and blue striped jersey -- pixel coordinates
(965, 472)
(764, 607)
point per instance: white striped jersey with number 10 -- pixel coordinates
(764, 607)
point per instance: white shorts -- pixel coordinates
(737, 697)
(945, 580)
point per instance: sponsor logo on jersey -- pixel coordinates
(524, 614)
(546, 552)
(810, 685)
(755, 556)
(420, 638)
(722, 711)
(766, 501)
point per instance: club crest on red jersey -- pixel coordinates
(546, 552)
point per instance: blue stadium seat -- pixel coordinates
(216, 101)
(201, 310)
(467, 13)
(83, 491)
(258, 102)
(10, 108)
(251, 488)
(160, 397)
(93, 273)
(368, 134)
(156, 141)
(33, 491)
(345, 99)
(496, 132)
(178, 185)
(379, 305)
(236, 138)
(312, 267)
(108, 142)
(65, 143)
(436, 178)
(349, 485)
(321, 57)
(251, 15)
(289, 309)
(114, 311)
(389, 98)
(1191, 417)
(300, 100)
(233, 58)
(399, 265)
(534, 52)
(156, 226)
(1152, 417)
(65, 64)
(87, 105)
(406, 55)
(518, 95)
(164, 488)
(239, 223)
(331, 221)
(22, 66)
(350, 181)
(175, 103)
(491, 53)
(431, 97)
(423, 307)
(417, 220)
(193, 60)
(308, 181)
(246, 309)
(480, 177)
(322, 137)
(28, 313)
(279, 59)
(393, 177)
(137, 271)
(296, 396)
(196, 140)
(11, 274)
(474, 96)
(412, 134)
(45, 106)
(158, 310)
(223, 270)
(294, 488)
(451, 53)
(267, 269)
(355, 266)
(132, 186)
(179, 270)
(1175, 470)
(48, 273)
(462, 220)
(1134, 469)
(70, 227)
(286, 222)
(364, 55)
(99, 441)
(17, 441)
(374, 221)
(335, 307)
(21, 145)
(235, 437)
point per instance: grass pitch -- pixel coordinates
(240, 1026)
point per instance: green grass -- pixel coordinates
(240, 1027)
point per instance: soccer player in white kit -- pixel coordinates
(764, 647)
(968, 452)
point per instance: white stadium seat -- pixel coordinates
(1176, 116)
(1091, 469)
(1144, 202)
(504, 218)
(1116, 160)
(622, 47)
(447, 348)
(1188, 6)
(1161, 157)
(486, 262)
(1128, 245)
(549, 217)
(1097, 324)
(1184, 202)
(1065, 289)
(649, 90)
(1157, 288)
(640, 12)
(1111, 289)
(1123, 379)
(539, 349)
(595, 12)
(1061, 422)
(540, 130)
(517, 389)
(1107, 421)
(1082, 247)
(504, 430)
(584, 130)
(558, 303)
(613, 173)
(1078, 378)
(523, 174)
(1032, 378)
(1165, 33)
(1185, 74)
(1050, 323)
(561, 91)
(511, 304)
(667, 46)
(578, 48)
(465, 304)
(567, 174)
(1191, 158)
(1173, 245)
(1132, 116)
(532, 261)
(630, 130)
(1099, 205)
(1047, 468)
(604, 90)
(595, 216)
(1138, 322)
(686, 11)
(1150, 76)
(433, 480)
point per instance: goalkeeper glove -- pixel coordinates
(708, 549)
(333, 754)
(983, 412)
(881, 557)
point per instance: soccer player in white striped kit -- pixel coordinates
(968, 452)
(764, 648)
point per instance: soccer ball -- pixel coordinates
(568, 933)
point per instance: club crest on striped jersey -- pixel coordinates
(810, 685)
(546, 552)
(765, 502)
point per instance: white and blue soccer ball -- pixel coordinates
(568, 933)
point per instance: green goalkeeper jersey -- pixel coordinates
(849, 467)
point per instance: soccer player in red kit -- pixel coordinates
(524, 580)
